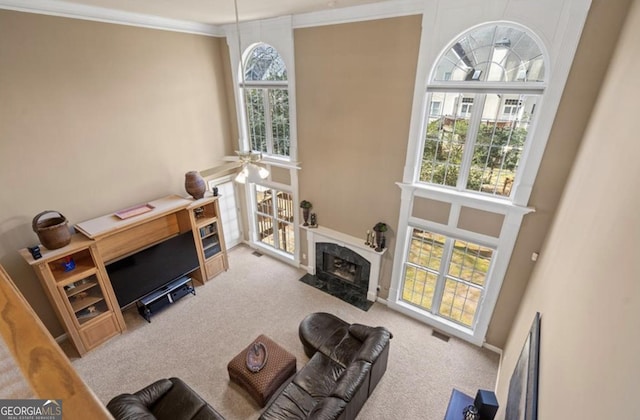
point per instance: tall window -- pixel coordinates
(476, 152)
(488, 85)
(274, 215)
(445, 276)
(266, 96)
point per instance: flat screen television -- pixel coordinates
(145, 271)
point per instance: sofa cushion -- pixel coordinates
(129, 407)
(329, 408)
(293, 403)
(354, 376)
(343, 351)
(318, 377)
(180, 402)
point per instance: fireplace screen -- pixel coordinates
(343, 269)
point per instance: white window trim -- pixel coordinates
(253, 228)
(503, 245)
(442, 22)
(278, 33)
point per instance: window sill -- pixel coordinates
(280, 162)
(436, 322)
(465, 198)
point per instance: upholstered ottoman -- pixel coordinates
(261, 385)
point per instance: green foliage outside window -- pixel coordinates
(497, 149)
(267, 107)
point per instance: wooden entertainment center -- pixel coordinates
(83, 296)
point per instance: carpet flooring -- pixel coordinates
(195, 338)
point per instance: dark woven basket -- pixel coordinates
(53, 232)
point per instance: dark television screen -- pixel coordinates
(143, 272)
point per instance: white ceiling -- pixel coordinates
(219, 12)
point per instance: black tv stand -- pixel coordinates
(166, 295)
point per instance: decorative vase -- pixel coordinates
(194, 184)
(380, 241)
(305, 216)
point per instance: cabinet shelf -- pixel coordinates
(84, 267)
(84, 316)
(81, 288)
(208, 229)
(205, 221)
(208, 235)
(76, 274)
(211, 245)
(84, 303)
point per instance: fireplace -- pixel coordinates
(343, 269)
(343, 266)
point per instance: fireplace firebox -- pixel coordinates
(342, 272)
(343, 266)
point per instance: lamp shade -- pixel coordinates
(251, 173)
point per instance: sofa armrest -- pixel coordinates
(373, 344)
(129, 407)
(361, 332)
(152, 393)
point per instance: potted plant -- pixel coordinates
(305, 206)
(379, 229)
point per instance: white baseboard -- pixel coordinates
(498, 351)
(494, 349)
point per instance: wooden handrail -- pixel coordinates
(44, 366)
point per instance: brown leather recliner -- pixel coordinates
(347, 362)
(166, 399)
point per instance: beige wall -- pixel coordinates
(354, 89)
(96, 117)
(592, 58)
(586, 282)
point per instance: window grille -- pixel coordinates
(445, 276)
(274, 218)
(266, 96)
(477, 146)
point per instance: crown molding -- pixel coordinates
(371, 11)
(99, 14)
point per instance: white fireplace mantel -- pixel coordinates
(323, 234)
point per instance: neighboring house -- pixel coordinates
(96, 117)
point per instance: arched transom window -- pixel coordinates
(266, 96)
(482, 98)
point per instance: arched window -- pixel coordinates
(266, 95)
(483, 94)
(482, 98)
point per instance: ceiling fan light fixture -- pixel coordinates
(251, 173)
(249, 156)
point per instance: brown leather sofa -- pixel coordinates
(347, 362)
(166, 399)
